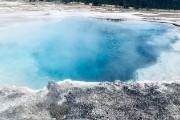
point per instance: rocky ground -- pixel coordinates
(100, 101)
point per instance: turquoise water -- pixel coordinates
(79, 49)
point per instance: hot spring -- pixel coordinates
(88, 50)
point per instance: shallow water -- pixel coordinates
(85, 50)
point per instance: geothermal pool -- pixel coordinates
(88, 50)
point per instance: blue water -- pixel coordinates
(78, 49)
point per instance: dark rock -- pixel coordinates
(104, 101)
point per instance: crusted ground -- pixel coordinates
(101, 101)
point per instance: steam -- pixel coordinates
(167, 67)
(87, 50)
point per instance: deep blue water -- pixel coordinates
(78, 49)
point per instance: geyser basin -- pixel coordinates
(87, 50)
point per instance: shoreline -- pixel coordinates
(44, 10)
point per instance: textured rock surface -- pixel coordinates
(103, 101)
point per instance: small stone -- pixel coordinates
(117, 82)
